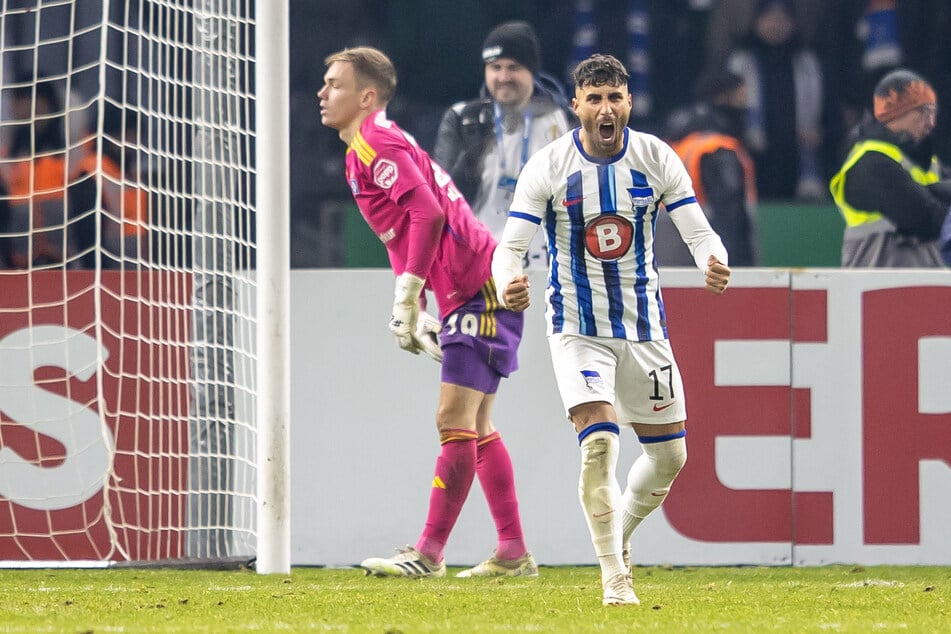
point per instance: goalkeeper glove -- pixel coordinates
(406, 311)
(427, 339)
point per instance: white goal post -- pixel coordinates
(144, 271)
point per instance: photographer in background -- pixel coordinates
(485, 142)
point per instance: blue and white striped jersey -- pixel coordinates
(598, 215)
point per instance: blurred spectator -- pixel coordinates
(706, 136)
(890, 189)
(863, 40)
(730, 21)
(484, 143)
(649, 36)
(785, 83)
(122, 209)
(34, 177)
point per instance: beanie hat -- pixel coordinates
(901, 91)
(514, 40)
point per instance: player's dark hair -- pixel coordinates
(600, 70)
(370, 65)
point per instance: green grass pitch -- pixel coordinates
(562, 599)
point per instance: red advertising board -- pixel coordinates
(93, 415)
(887, 337)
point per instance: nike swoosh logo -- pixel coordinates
(658, 495)
(660, 408)
(599, 515)
(574, 201)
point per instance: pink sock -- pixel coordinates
(494, 468)
(455, 470)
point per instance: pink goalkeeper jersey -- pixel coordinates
(383, 165)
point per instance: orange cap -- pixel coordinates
(895, 104)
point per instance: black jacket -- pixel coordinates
(467, 128)
(724, 182)
(915, 210)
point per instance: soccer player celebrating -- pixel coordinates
(433, 241)
(598, 189)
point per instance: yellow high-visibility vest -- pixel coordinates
(857, 217)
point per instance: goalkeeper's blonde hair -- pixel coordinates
(370, 66)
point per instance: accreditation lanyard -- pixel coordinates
(505, 181)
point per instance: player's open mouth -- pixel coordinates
(606, 131)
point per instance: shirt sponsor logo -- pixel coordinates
(385, 173)
(608, 237)
(387, 235)
(354, 187)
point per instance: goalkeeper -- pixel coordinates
(433, 241)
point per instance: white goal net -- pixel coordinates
(127, 295)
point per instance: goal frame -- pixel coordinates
(272, 70)
(73, 304)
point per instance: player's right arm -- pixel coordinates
(510, 280)
(528, 203)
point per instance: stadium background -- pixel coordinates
(829, 459)
(436, 45)
(436, 48)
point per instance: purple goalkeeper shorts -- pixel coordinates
(479, 342)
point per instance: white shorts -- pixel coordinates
(639, 378)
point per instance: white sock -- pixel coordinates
(600, 496)
(649, 480)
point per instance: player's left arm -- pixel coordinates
(426, 221)
(696, 232)
(705, 245)
(396, 174)
(425, 225)
(717, 275)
